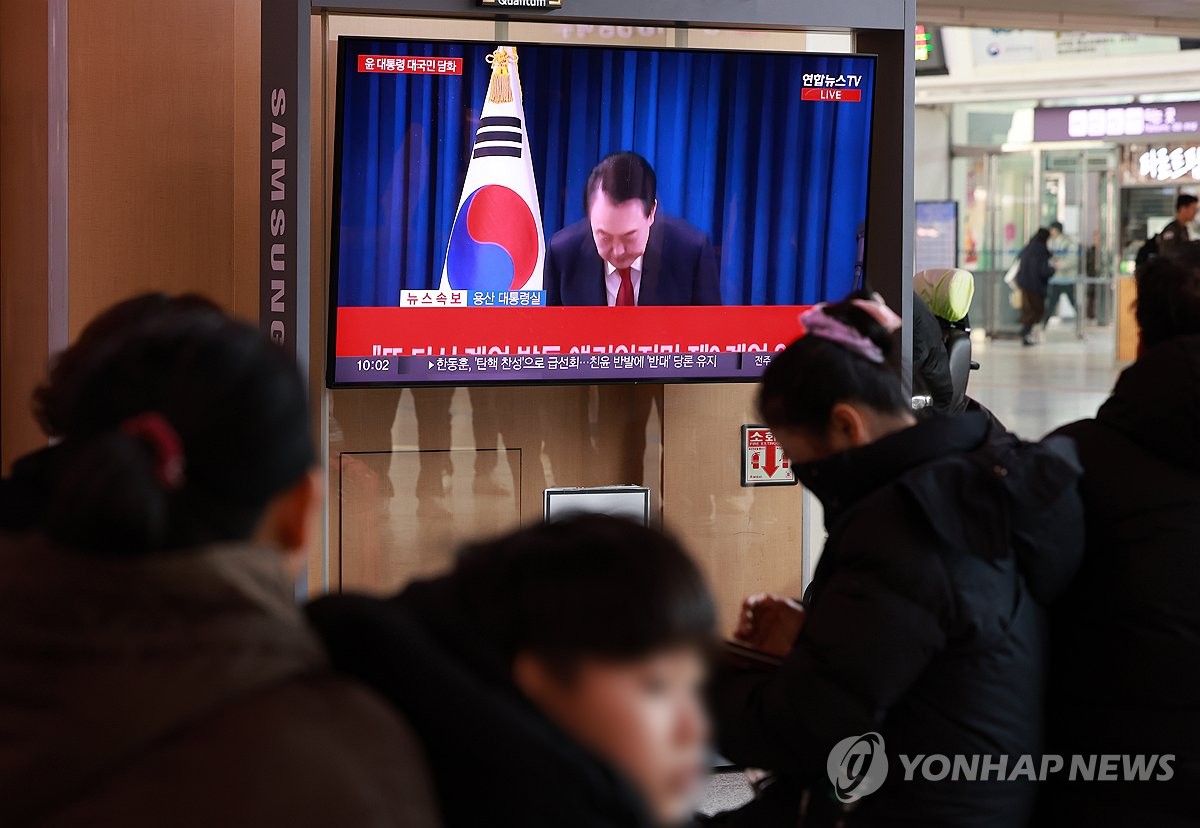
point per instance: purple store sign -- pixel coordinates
(1116, 122)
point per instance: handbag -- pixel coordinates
(1010, 279)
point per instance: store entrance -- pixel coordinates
(1078, 190)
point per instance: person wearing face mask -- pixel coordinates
(154, 667)
(554, 676)
(626, 253)
(922, 630)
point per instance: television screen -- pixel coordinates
(516, 213)
(936, 225)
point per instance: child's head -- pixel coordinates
(607, 625)
(834, 389)
(177, 426)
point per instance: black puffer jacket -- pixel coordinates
(931, 361)
(1126, 677)
(496, 759)
(925, 624)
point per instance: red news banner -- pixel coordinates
(404, 65)
(364, 332)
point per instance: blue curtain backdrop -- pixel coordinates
(779, 185)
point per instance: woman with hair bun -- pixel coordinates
(154, 666)
(921, 633)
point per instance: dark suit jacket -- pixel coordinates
(679, 267)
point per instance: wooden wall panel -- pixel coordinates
(162, 119)
(747, 540)
(24, 240)
(246, 77)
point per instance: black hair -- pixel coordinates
(1168, 298)
(1056, 225)
(1042, 235)
(235, 400)
(1185, 200)
(587, 586)
(622, 176)
(803, 383)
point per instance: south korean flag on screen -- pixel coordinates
(496, 243)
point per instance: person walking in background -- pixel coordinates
(1034, 272)
(1125, 679)
(924, 622)
(1064, 252)
(554, 675)
(154, 667)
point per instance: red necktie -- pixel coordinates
(625, 298)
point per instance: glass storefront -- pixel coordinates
(1109, 196)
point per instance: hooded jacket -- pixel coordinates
(184, 690)
(496, 759)
(925, 625)
(1126, 669)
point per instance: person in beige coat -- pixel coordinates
(155, 669)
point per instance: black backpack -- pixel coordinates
(1147, 253)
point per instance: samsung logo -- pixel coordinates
(278, 215)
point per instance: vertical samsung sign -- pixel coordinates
(279, 228)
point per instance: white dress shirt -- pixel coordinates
(612, 280)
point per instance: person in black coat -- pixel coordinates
(626, 252)
(555, 676)
(1125, 678)
(931, 360)
(1034, 272)
(922, 631)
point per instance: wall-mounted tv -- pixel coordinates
(529, 213)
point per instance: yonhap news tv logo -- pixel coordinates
(858, 766)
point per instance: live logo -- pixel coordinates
(832, 95)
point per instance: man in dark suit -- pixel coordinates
(625, 253)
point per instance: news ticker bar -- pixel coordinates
(534, 368)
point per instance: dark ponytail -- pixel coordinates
(107, 498)
(803, 383)
(175, 426)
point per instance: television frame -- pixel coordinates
(331, 306)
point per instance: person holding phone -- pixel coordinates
(924, 623)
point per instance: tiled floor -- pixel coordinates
(1035, 390)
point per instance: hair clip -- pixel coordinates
(820, 324)
(157, 433)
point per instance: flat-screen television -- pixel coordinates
(936, 244)
(529, 213)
